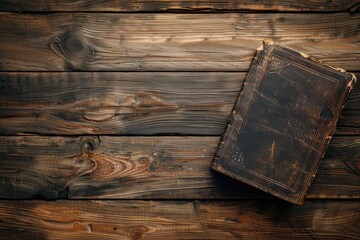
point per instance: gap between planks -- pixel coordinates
(187, 6)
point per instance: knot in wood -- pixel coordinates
(144, 160)
(89, 145)
(75, 49)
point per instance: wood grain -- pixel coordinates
(184, 5)
(129, 103)
(179, 220)
(147, 167)
(58, 37)
(169, 42)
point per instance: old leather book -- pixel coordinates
(282, 122)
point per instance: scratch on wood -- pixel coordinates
(272, 150)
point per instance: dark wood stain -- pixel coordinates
(78, 75)
(181, 220)
(147, 167)
(129, 103)
(90, 41)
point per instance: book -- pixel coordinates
(282, 122)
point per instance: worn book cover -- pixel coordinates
(282, 122)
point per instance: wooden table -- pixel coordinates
(112, 112)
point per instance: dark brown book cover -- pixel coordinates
(282, 122)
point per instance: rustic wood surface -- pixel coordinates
(179, 220)
(147, 167)
(196, 103)
(169, 42)
(183, 5)
(71, 83)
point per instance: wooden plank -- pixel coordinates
(179, 220)
(117, 103)
(169, 42)
(184, 5)
(147, 167)
(129, 103)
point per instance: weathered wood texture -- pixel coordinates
(129, 103)
(179, 220)
(168, 42)
(147, 167)
(183, 5)
(197, 102)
